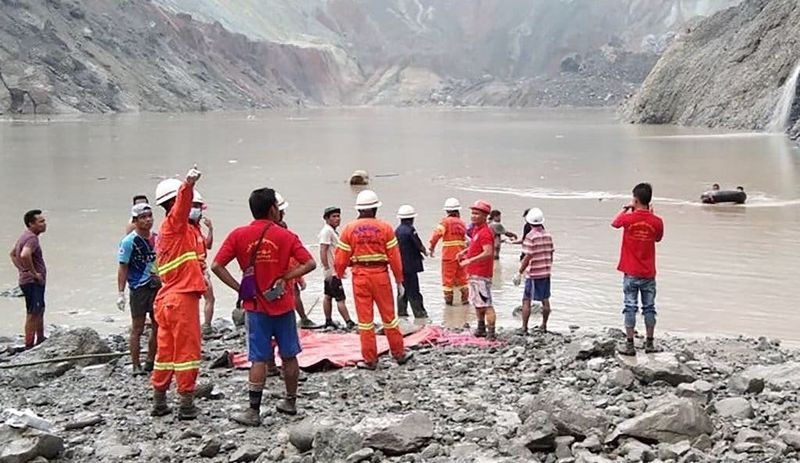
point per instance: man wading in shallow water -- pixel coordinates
(477, 260)
(27, 257)
(641, 231)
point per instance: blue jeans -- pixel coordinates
(631, 288)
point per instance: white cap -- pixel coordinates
(367, 199)
(280, 202)
(406, 212)
(139, 209)
(535, 216)
(452, 204)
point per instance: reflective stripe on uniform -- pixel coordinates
(391, 243)
(448, 289)
(173, 264)
(186, 366)
(366, 326)
(370, 258)
(163, 366)
(448, 244)
(344, 246)
(393, 324)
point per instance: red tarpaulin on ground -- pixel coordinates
(323, 350)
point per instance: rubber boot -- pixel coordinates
(160, 407)
(418, 308)
(187, 410)
(464, 296)
(403, 359)
(249, 417)
(481, 331)
(448, 298)
(402, 306)
(490, 333)
(627, 349)
(288, 405)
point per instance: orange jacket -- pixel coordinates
(176, 251)
(370, 242)
(202, 250)
(453, 233)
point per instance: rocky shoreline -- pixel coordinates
(547, 398)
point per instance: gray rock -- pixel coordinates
(538, 432)
(671, 422)
(464, 451)
(703, 442)
(396, 435)
(747, 447)
(663, 366)
(595, 348)
(335, 442)
(596, 364)
(636, 451)
(734, 407)
(740, 384)
(24, 445)
(431, 451)
(698, 390)
(360, 455)
(774, 375)
(117, 452)
(245, 454)
(749, 436)
(791, 438)
(479, 432)
(622, 377)
(571, 414)
(211, 448)
(586, 457)
(673, 451)
(592, 443)
(301, 435)
(563, 444)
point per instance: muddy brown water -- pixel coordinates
(722, 269)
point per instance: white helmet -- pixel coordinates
(535, 216)
(280, 202)
(197, 197)
(452, 204)
(367, 199)
(406, 212)
(167, 189)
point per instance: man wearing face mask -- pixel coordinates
(204, 243)
(178, 302)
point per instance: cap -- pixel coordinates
(139, 209)
(330, 211)
(482, 206)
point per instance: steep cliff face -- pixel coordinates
(130, 55)
(732, 69)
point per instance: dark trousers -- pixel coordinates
(413, 296)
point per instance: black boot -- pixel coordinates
(402, 306)
(418, 308)
(481, 331)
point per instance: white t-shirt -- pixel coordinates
(330, 237)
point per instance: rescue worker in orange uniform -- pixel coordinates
(453, 233)
(177, 309)
(369, 246)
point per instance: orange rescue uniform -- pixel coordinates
(178, 301)
(369, 246)
(453, 233)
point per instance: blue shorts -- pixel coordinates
(34, 298)
(537, 289)
(263, 328)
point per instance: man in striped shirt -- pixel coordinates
(537, 247)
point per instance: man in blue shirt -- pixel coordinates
(137, 256)
(411, 251)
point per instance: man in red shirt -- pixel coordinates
(477, 259)
(267, 247)
(642, 229)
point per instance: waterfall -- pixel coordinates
(783, 111)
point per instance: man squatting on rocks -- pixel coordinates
(370, 246)
(178, 301)
(27, 257)
(137, 259)
(478, 262)
(453, 233)
(263, 249)
(642, 229)
(333, 288)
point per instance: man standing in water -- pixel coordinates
(477, 259)
(537, 249)
(27, 257)
(453, 233)
(642, 229)
(333, 288)
(137, 257)
(412, 252)
(495, 223)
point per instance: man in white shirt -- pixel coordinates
(328, 240)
